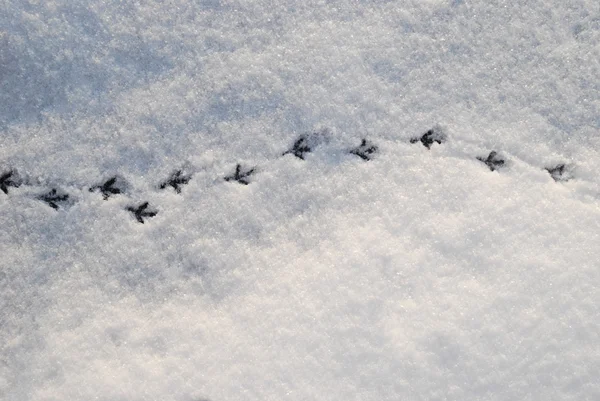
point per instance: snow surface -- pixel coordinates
(418, 275)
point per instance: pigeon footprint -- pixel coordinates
(10, 179)
(365, 150)
(176, 180)
(434, 135)
(559, 173)
(113, 186)
(141, 211)
(54, 198)
(493, 161)
(306, 143)
(240, 176)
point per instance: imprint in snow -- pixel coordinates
(306, 143)
(10, 179)
(433, 135)
(559, 173)
(365, 151)
(54, 198)
(240, 176)
(113, 186)
(176, 180)
(493, 161)
(140, 212)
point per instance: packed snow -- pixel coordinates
(320, 200)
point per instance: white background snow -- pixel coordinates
(418, 275)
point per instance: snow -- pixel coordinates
(418, 274)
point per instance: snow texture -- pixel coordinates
(341, 200)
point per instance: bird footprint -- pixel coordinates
(142, 211)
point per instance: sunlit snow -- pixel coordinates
(341, 200)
